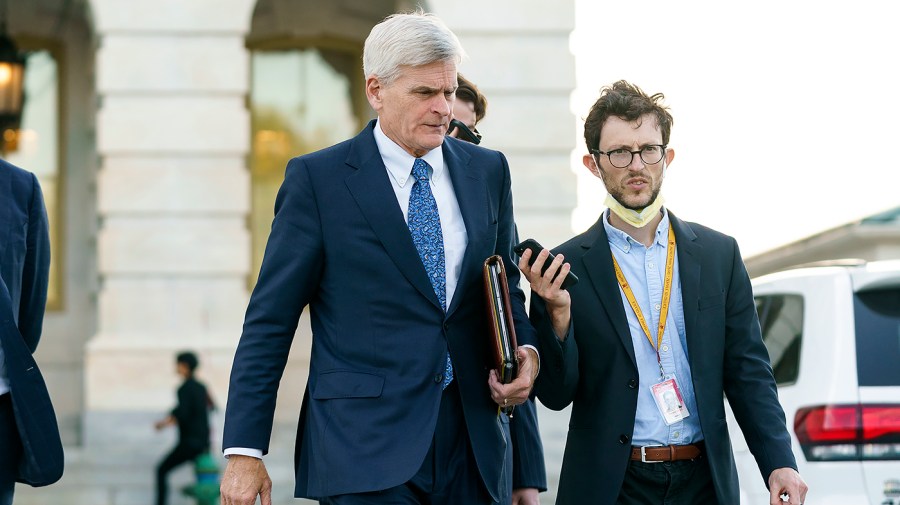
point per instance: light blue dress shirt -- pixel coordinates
(645, 270)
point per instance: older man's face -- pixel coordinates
(415, 109)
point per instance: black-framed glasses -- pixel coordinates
(469, 135)
(621, 158)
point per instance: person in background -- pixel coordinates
(664, 311)
(529, 471)
(30, 447)
(191, 415)
(384, 236)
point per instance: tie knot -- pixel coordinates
(420, 170)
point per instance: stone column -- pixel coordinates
(520, 59)
(173, 198)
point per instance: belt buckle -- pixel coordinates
(644, 453)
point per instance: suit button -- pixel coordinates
(624, 439)
(446, 326)
(438, 378)
(632, 383)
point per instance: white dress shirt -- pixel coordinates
(399, 165)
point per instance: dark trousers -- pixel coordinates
(448, 476)
(179, 455)
(10, 450)
(669, 483)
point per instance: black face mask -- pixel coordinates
(464, 132)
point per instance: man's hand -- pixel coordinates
(525, 496)
(162, 423)
(517, 391)
(786, 481)
(244, 479)
(557, 299)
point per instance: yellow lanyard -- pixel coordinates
(667, 291)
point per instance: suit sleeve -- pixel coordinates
(35, 269)
(288, 280)
(748, 379)
(529, 470)
(558, 381)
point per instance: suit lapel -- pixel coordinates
(471, 195)
(372, 191)
(689, 255)
(599, 266)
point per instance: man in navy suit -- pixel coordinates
(30, 449)
(662, 324)
(384, 237)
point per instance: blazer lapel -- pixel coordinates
(599, 266)
(471, 195)
(372, 191)
(689, 255)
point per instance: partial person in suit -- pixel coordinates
(664, 310)
(191, 415)
(529, 471)
(30, 448)
(383, 236)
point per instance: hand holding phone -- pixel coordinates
(535, 247)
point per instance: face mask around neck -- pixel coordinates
(633, 217)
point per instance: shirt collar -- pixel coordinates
(624, 242)
(399, 162)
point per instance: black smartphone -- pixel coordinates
(536, 248)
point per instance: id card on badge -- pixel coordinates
(669, 401)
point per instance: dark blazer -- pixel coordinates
(24, 273)
(339, 244)
(528, 451)
(595, 368)
(192, 415)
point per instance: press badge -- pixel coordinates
(669, 401)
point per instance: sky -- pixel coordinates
(786, 114)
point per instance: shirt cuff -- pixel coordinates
(243, 451)
(536, 353)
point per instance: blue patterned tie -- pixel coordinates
(425, 227)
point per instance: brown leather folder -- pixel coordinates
(501, 330)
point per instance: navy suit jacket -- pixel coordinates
(528, 470)
(339, 244)
(24, 274)
(595, 369)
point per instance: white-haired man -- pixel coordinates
(384, 236)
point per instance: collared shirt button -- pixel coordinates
(676, 434)
(652, 265)
(664, 348)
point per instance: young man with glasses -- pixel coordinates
(663, 326)
(529, 475)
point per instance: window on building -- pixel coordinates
(38, 151)
(781, 319)
(301, 100)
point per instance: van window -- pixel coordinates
(781, 320)
(877, 315)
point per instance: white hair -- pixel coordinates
(411, 39)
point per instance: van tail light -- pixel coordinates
(849, 432)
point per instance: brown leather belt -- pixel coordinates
(658, 454)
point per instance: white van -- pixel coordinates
(833, 335)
